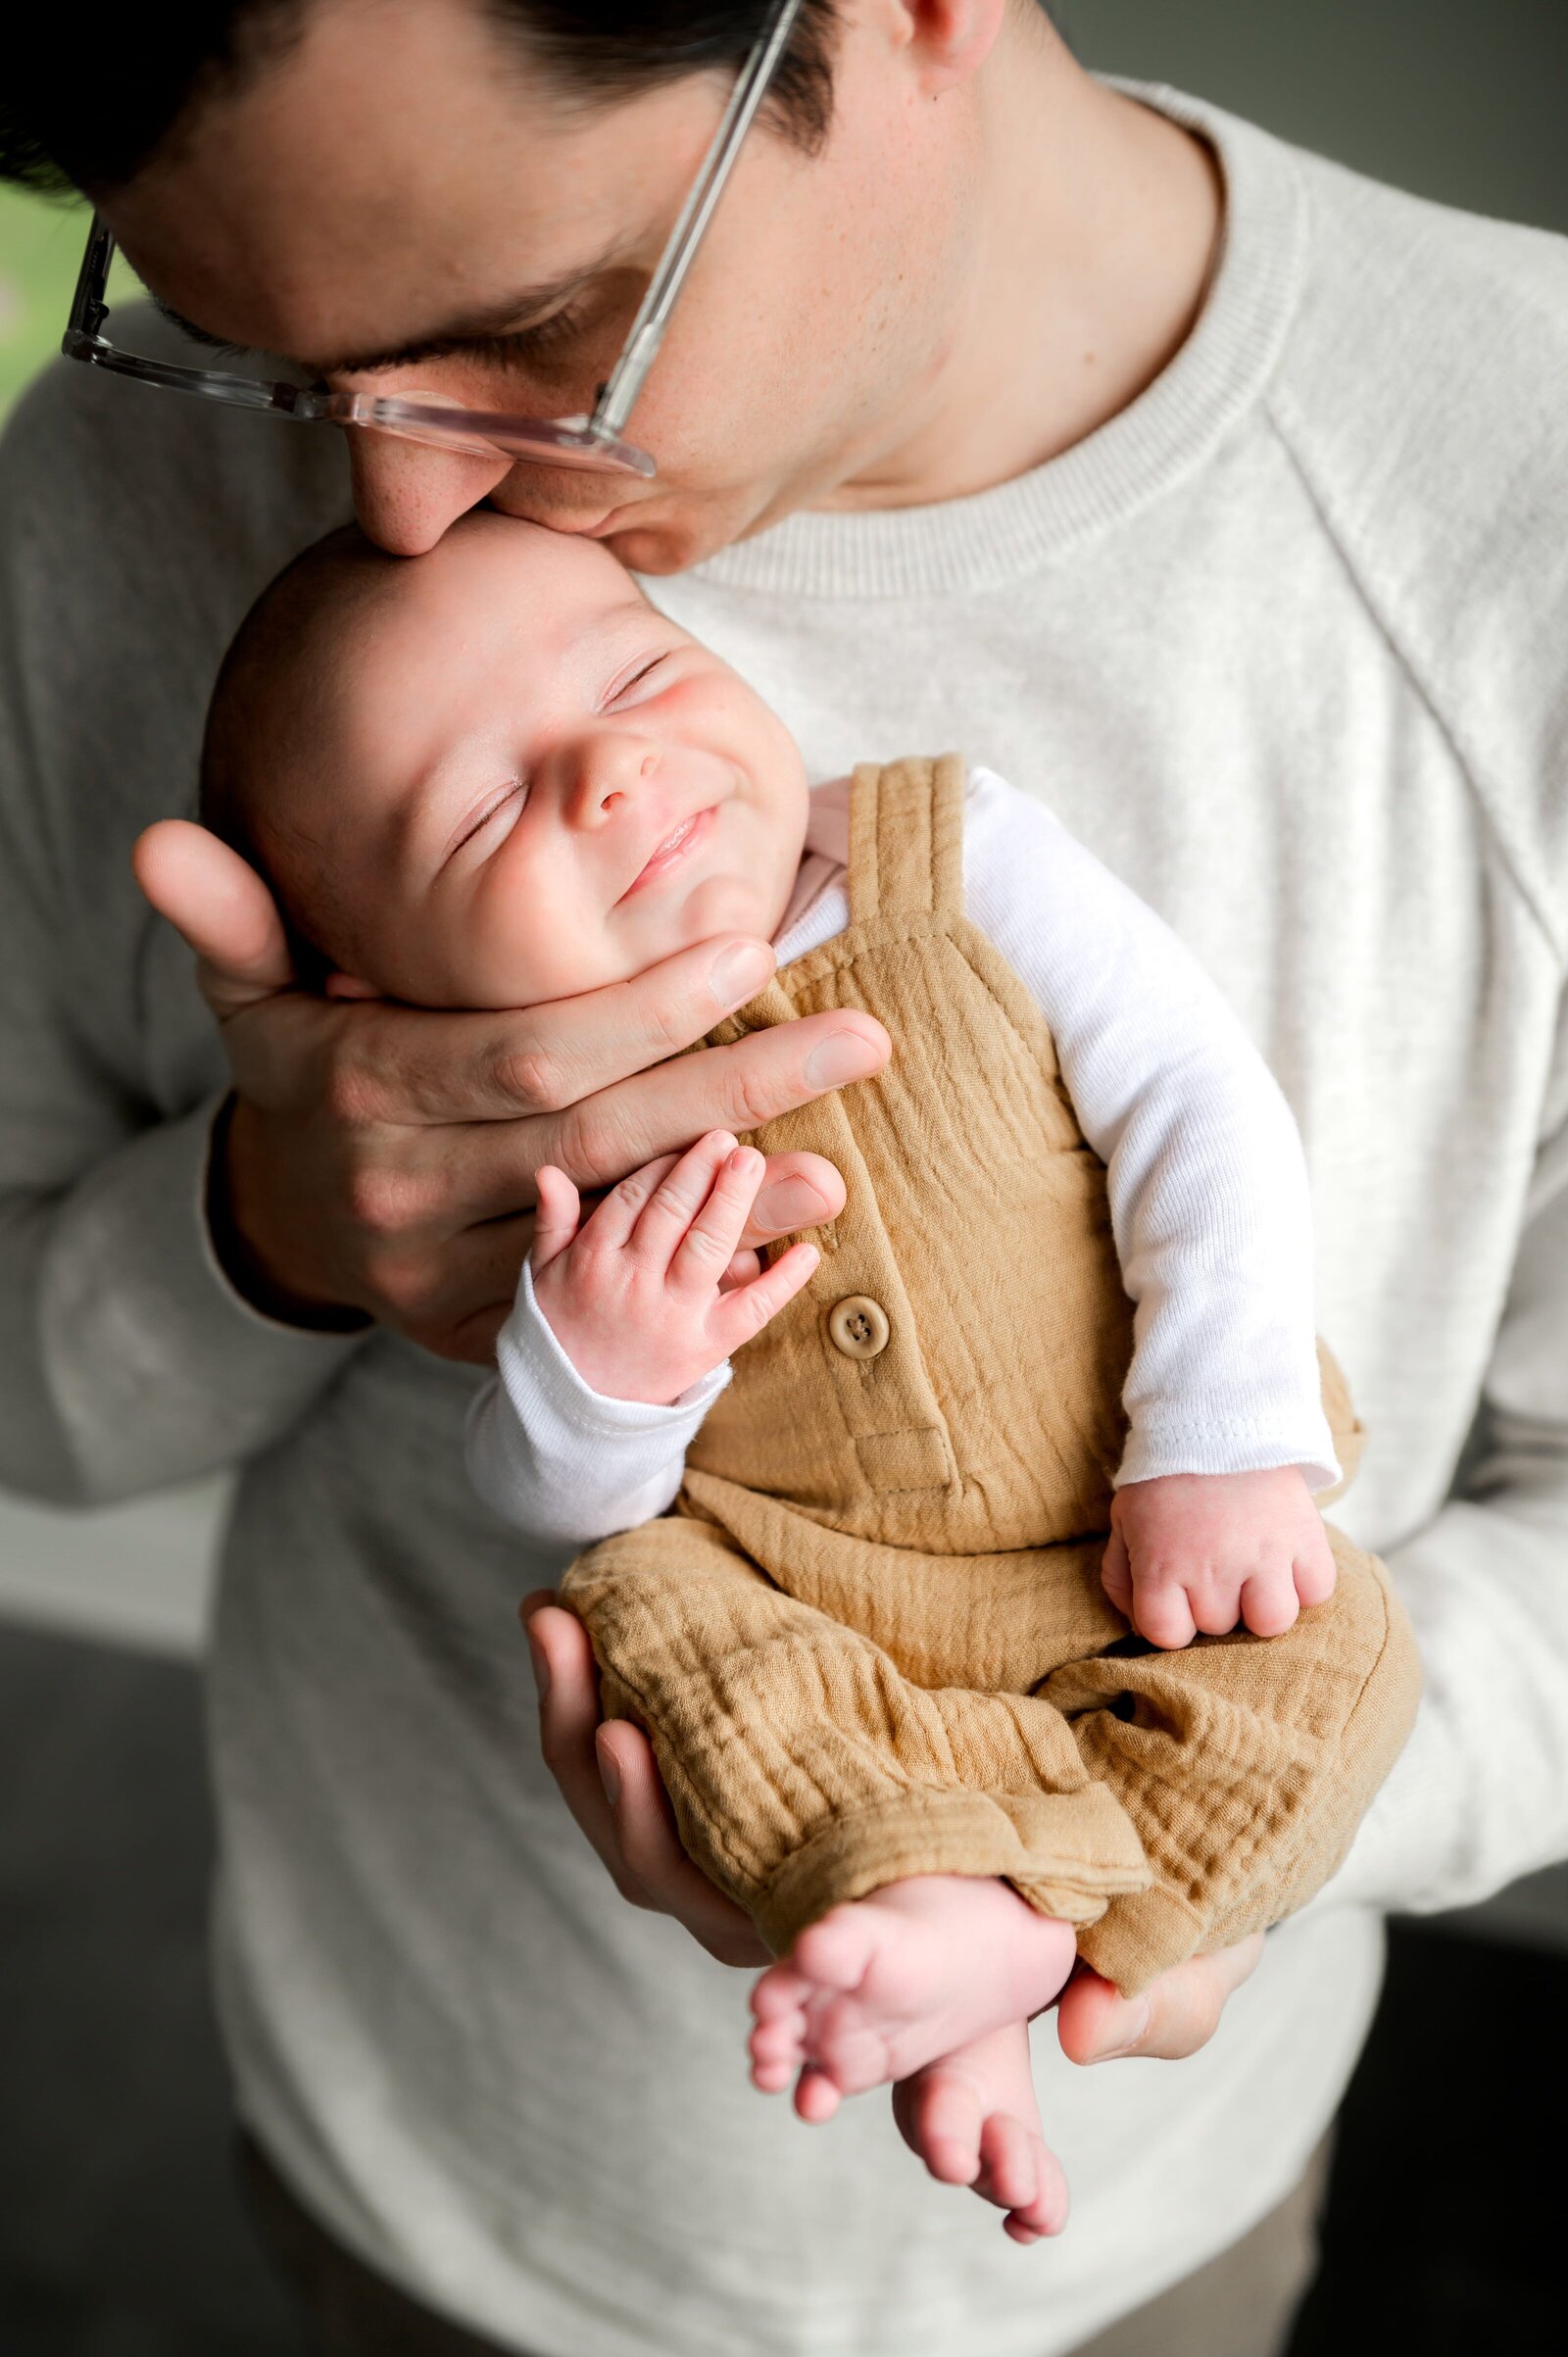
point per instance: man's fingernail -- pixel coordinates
(540, 1670)
(738, 971)
(1134, 2030)
(844, 1055)
(609, 1777)
(792, 1203)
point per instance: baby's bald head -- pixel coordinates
(267, 766)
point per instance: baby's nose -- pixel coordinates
(611, 770)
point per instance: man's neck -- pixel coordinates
(1091, 244)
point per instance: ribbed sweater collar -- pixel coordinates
(1018, 528)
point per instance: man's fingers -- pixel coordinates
(650, 1848)
(1173, 2016)
(800, 1191)
(568, 1720)
(221, 906)
(420, 1065)
(635, 1837)
(736, 1088)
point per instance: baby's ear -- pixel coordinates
(349, 986)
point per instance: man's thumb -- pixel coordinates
(222, 908)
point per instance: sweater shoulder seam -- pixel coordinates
(1511, 852)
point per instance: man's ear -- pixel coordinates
(949, 41)
(348, 986)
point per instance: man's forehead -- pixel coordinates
(401, 181)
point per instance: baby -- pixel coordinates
(907, 1607)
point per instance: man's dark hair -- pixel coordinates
(95, 91)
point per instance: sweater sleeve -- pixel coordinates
(126, 1360)
(1207, 1183)
(558, 1459)
(1479, 1792)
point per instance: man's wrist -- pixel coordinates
(242, 1265)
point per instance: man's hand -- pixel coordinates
(1176, 2014)
(380, 1159)
(611, 1782)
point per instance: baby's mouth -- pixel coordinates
(667, 853)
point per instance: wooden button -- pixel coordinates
(858, 1327)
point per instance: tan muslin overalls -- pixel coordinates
(870, 1639)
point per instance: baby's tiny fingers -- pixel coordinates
(1162, 1613)
(618, 1212)
(1116, 1574)
(1269, 1603)
(709, 1243)
(1315, 1569)
(556, 1219)
(679, 1197)
(736, 1316)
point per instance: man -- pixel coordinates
(1205, 490)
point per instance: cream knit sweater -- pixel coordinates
(1284, 645)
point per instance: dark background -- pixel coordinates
(118, 2234)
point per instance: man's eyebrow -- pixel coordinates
(514, 317)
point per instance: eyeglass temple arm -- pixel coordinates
(88, 309)
(625, 381)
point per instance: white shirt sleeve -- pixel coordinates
(1209, 1202)
(558, 1459)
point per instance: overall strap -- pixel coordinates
(907, 839)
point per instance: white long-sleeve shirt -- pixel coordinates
(1284, 644)
(1204, 1169)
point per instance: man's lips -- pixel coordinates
(671, 851)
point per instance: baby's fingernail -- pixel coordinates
(844, 1055)
(608, 1776)
(738, 971)
(791, 1202)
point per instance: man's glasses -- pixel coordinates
(594, 441)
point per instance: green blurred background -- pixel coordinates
(1461, 99)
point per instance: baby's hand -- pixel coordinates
(1193, 1551)
(637, 1296)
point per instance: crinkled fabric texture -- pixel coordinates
(871, 1640)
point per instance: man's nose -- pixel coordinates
(407, 493)
(608, 768)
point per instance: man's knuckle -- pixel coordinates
(384, 1202)
(352, 1095)
(532, 1079)
(592, 1148)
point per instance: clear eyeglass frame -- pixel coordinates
(594, 442)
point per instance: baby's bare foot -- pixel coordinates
(973, 2120)
(884, 1985)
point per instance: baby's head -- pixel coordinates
(494, 775)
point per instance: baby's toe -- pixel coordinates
(835, 1952)
(816, 2099)
(944, 2126)
(779, 1994)
(777, 2050)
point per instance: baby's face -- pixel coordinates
(537, 784)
